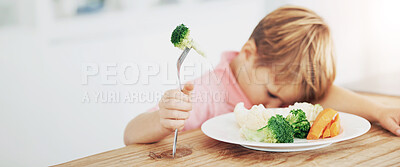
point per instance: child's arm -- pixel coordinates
(347, 101)
(151, 127)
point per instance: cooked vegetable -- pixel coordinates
(335, 127)
(311, 111)
(181, 38)
(254, 118)
(327, 131)
(277, 130)
(323, 119)
(298, 120)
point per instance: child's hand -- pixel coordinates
(390, 120)
(174, 107)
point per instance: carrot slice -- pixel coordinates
(323, 119)
(327, 131)
(335, 127)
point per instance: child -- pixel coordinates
(288, 58)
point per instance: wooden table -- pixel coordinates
(377, 147)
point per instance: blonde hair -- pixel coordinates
(296, 43)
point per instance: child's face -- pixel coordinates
(258, 83)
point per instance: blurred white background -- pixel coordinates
(44, 45)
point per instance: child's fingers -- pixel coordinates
(172, 124)
(188, 88)
(175, 104)
(174, 114)
(175, 94)
(392, 126)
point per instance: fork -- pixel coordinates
(178, 65)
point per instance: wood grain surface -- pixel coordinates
(378, 147)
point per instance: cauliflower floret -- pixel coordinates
(255, 118)
(311, 111)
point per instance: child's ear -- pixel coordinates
(249, 49)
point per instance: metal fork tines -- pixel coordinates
(178, 65)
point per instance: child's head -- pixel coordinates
(293, 46)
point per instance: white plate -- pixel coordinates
(286, 149)
(224, 128)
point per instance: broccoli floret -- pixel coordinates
(181, 38)
(277, 130)
(298, 120)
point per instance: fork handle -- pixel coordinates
(176, 130)
(175, 141)
(179, 81)
(178, 65)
